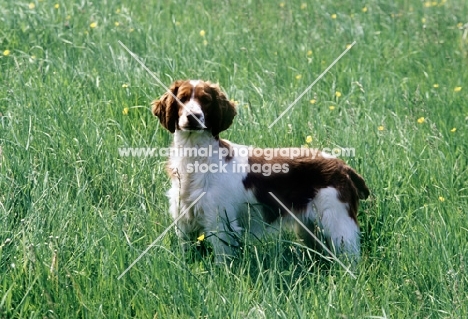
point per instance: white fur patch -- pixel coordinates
(194, 83)
(336, 222)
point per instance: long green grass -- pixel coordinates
(74, 214)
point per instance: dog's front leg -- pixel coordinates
(224, 236)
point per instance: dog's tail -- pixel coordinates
(359, 183)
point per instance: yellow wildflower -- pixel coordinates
(453, 130)
(435, 85)
(303, 6)
(338, 94)
(202, 33)
(298, 77)
(331, 107)
(421, 120)
(125, 111)
(364, 9)
(313, 101)
(6, 52)
(125, 85)
(93, 25)
(308, 139)
(201, 237)
(56, 6)
(333, 16)
(116, 24)
(457, 89)
(442, 199)
(309, 53)
(32, 6)
(282, 4)
(381, 128)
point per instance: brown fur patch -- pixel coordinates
(305, 177)
(226, 145)
(220, 112)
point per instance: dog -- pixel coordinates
(237, 182)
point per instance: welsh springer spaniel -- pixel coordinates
(238, 180)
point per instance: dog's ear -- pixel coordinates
(222, 111)
(166, 108)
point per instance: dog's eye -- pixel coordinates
(205, 99)
(183, 99)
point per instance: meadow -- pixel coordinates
(74, 214)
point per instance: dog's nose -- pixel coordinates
(195, 119)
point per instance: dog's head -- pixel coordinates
(199, 106)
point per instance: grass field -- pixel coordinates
(74, 214)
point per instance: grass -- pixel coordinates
(74, 215)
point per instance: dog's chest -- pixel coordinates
(218, 179)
